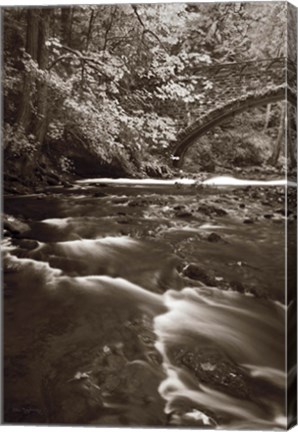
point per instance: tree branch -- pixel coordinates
(146, 30)
(91, 62)
(65, 56)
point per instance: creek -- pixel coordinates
(146, 304)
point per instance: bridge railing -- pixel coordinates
(228, 81)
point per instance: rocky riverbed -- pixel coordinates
(93, 276)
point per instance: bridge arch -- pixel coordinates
(216, 116)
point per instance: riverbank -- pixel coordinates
(43, 177)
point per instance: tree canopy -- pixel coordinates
(109, 80)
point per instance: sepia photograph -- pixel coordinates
(149, 215)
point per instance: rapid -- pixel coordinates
(145, 305)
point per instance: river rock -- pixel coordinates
(266, 203)
(258, 292)
(123, 221)
(214, 238)
(222, 373)
(248, 220)
(135, 203)
(237, 286)
(191, 418)
(183, 214)
(210, 210)
(14, 226)
(81, 398)
(169, 278)
(281, 211)
(99, 194)
(193, 271)
(28, 244)
(52, 181)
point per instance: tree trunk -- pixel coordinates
(25, 109)
(280, 138)
(268, 115)
(291, 136)
(66, 25)
(41, 121)
(38, 28)
(89, 35)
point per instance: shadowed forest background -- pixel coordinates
(105, 90)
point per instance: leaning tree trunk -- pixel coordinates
(280, 137)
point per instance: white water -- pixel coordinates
(216, 181)
(77, 278)
(246, 330)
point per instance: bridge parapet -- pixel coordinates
(228, 89)
(217, 84)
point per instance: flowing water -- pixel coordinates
(145, 304)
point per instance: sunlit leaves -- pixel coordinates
(17, 142)
(128, 74)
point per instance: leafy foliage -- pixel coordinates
(115, 80)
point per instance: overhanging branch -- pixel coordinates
(91, 62)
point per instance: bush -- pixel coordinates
(16, 144)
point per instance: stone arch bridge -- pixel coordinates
(232, 89)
